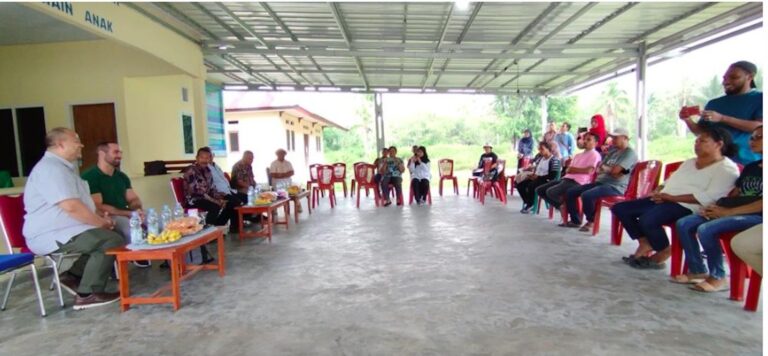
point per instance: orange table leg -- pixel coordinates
(125, 291)
(175, 282)
(220, 245)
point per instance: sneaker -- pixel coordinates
(69, 283)
(526, 209)
(142, 263)
(95, 300)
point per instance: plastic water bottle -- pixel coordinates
(137, 234)
(165, 217)
(251, 196)
(153, 225)
(178, 212)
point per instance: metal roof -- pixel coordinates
(293, 110)
(490, 47)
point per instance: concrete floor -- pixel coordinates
(456, 278)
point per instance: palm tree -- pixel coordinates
(615, 104)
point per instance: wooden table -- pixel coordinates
(178, 267)
(296, 199)
(269, 209)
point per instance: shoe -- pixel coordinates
(688, 278)
(388, 203)
(69, 283)
(646, 263)
(207, 260)
(526, 209)
(706, 287)
(587, 227)
(142, 263)
(95, 300)
(569, 224)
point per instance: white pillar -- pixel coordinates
(641, 104)
(379, 117)
(543, 114)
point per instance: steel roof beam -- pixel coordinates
(288, 32)
(460, 39)
(543, 40)
(246, 70)
(384, 54)
(345, 33)
(397, 71)
(379, 89)
(443, 31)
(520, 36)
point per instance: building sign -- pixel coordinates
(101, 22)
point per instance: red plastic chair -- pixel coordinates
(739, 270)
(177, 187)
(429, 195)
(340, 175)
(312, 175)
(494, 187)
(473, 181)
(12, 221)
(753, 294)
(364, 176)
(643, 180)
(445, 168)
(354, 179)
(525, 162)
(324, 183)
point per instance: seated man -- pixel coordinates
(111, 190)
(487, 156)
(242, 174)
(201, 193)
(612, 179)
(578, 173)
(61, 217)
(281, 172)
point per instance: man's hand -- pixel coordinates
(712, 116)
(108, 223)
(658, 197)
(714, 212)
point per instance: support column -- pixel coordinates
(641, 104)
(379, 113)
(543, 115)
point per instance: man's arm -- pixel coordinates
(106, 208)
(739, 124)
(134, 203)
(78, 211)
(580, 170)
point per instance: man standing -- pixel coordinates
(61, 217)
(565, 141)
(281, 172)
(612, 179)
(111, 190)
(739, 111)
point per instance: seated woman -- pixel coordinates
(740, 210)
(391, 169)
(545, 169)
(698, 182)
(418, 165)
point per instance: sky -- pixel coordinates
(697, 66)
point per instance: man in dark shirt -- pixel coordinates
(201, 194)
(488, 156)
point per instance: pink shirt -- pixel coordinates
(582, 160)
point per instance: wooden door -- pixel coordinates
(94, 123)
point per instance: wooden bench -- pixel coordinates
(172, 166)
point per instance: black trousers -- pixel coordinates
(420, 188)
(216, 214)
(527, 189)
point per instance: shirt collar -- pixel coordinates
(59, 158)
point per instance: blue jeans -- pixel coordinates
(708, 232)
(589, 194)
(644, 218)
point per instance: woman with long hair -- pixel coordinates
(545, 169)
(420, 174)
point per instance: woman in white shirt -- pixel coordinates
(545, 169)
(698, 182)
(418, 165)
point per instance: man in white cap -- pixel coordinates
(487, 156)
(612, 179)
(739, 111)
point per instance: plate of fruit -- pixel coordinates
(166, 237)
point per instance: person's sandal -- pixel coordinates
(586, 228)
(706, 287)
(688, 278)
